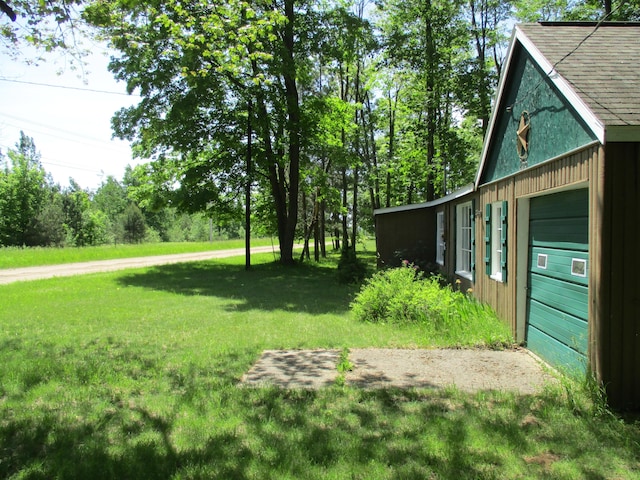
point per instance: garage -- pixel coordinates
(558, 289)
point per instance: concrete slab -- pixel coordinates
(294, 369)
(468, 370)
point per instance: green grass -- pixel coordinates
(14, 257)
(135, 374)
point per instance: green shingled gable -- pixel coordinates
(555, 127)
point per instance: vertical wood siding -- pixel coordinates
(405, 230)
(619, 328)
(539, 180)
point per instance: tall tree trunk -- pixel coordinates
(392, 140)
(480, 36)
(306, 231)
(316, 231)
(323, 228)
(277, 182)
(345, 206)
(293, 127)
(247, 200)
(371, 149)
(344, 96)
(432, 103)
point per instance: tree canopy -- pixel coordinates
(314, 112)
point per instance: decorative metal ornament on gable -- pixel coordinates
(522, 139)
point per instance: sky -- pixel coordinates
(71, 126)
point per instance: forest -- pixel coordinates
(291, 118)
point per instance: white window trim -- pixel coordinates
(440, 240)
(496, 237)
(464, 240)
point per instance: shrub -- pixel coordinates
(405, 296)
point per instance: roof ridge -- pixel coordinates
(587, 24)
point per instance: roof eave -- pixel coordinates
(587, 115)
(622, 133)
(461, 192)
(496, 108)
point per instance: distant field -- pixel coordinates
(14, 257)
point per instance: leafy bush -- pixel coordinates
(404, 295)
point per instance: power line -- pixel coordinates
(565, 57)
(74, 137)
(66, 87)
(58, 163)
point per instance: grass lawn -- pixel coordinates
(134, 374)
(14, 257)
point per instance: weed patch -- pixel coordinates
(403, 296)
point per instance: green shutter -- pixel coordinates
(487, 238)
(503, 241)
(473, 240)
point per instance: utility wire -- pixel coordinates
(566, 56)
(65, 87)
(75, 137)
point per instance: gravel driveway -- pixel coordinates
(10, 275)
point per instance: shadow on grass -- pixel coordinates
(315, 434)
(307, 287)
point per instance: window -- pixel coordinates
(496, 240)
(464, 240)
(440, 242)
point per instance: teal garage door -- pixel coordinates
(557, 299)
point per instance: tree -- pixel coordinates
(75, 202)
(424, 40)
(46, 26)
(196, 65)
(23, 186)
(50, 230)
(442, 61)
(479, 79)
(111, 199)
(133, 224)
(589, 10)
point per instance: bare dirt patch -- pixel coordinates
(468, 370)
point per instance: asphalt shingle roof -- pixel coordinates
(601, 64)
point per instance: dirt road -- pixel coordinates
(10, 275)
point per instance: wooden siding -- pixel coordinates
(619, 328)
(500, 295)
(409, 231)
(566, 172)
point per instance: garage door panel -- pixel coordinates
(568, 233)
(570, 330)
(558, 291)
(574, 203)
(555, 352)
(569, 298)
(558, 264)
